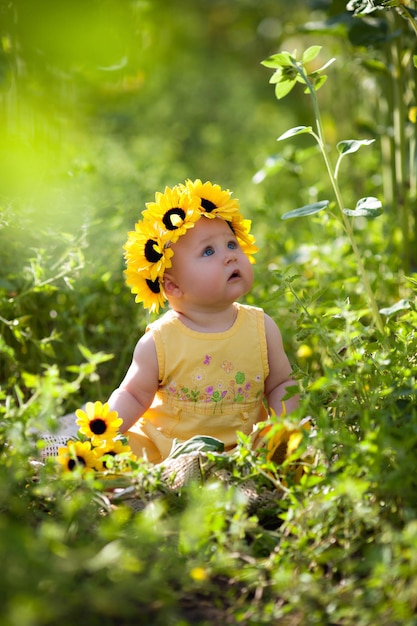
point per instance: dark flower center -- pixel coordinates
(151, 254)
(208, 205)
(72, 463)
(154, 285)
(167, 219)
(280, 453)
(110, 453)
(98, 426)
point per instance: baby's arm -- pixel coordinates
(137, 390)
(279, 377)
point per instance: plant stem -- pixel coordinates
(346, 223)
(399, 115)
(405, 13)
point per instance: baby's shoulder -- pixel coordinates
(167, 319)
(250, 311)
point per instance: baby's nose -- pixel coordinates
(230, 256)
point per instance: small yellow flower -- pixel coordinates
(198, 574)
(77, 454)
(97, 422)
(304, 351)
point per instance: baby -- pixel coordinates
(210, 365)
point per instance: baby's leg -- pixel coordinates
(142, 446)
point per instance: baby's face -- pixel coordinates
(209, 266)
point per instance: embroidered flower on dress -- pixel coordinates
(227, 366)
(198, 376)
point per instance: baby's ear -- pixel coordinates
(170, 286)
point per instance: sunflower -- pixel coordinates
(213, 200)
(241, 228)
(97, 422)
(217, 202)
(283, 444)
(77, 454)
(149, 292)
(146, 252)
(174, 212)
(114, 448)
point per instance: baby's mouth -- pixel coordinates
(235, 274)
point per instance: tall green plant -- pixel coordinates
(381, 35)
(400, 75)
(288, 72)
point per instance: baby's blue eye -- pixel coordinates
(208, 251)
(232, 245)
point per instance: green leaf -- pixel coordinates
(415, 60)
(6, 285)
(297, 130)
(402, 305)
(31, 380)
(413, 281)
(6, 349)
(376, 66)
(273, 164)
(94, 357)
(366, 207)
(326, 65)
(276, 76)
(352, 145)
(278, 60)
(284, 88)
(318, 82)
(87, 354)
(311, 53)
(308, 209)
(199, 443)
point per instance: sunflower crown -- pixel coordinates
(147, 250)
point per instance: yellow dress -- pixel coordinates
(210, 383)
